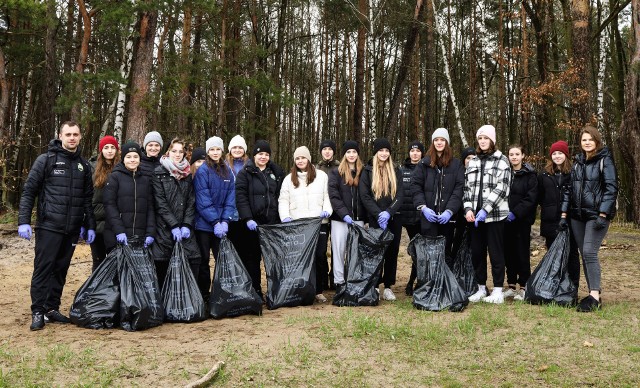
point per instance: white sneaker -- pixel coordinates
(497, 297)
(510, 293)
(379, 294)
(519, 295)
(388, 295)
(321, 298)
(481, 293)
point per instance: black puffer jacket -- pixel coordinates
(593, 188)
(523, 194)
(408, 213)
(328, 166)
(257, 193)
(128, 205)
(62, 182)
(148, 164)
(96, 202)
(550, 199)
(344, 199)
(375, 207)
(174, 202)
(438, 189)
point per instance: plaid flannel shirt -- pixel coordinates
(495, 186)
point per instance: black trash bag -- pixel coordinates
(437, 288)
(463, 267)
(288, 251)
(140, 306)
(363, 265)
(232, 292)
(550, 281)
(181, 296)
(97, 302)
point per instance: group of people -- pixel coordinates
(139, 194)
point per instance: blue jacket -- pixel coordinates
(215, 198)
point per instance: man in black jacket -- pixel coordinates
(61, 180)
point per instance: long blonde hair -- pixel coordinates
(345, 171)
(383, 181)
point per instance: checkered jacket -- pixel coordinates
(496, 183)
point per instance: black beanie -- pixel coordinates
(261, 146)
(418, 145)
(198, 154)
(329, 143)
(466, 152)
(380, 143)
(350, 145)
(130, 147)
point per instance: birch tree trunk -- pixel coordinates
(582, 109)
(602, 65)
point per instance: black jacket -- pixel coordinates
(96, 202)
(593, 188)
(375, 207)
(523, 194)
(257, 193)
(62, 182)
(344, 199)
(328, 166)
(148, 164)
(408, 213)
(174, 203)
(438, 189)
(550, 199)
(128, 205)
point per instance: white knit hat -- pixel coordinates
(151, 137)
(214, 142)
(238, 141)
(441, 132)
(302, 151)
(489, 131)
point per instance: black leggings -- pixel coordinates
(207, 242)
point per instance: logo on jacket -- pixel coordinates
(58, 171)
(80, 167)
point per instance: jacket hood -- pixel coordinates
(120, 167)
(525, 169)
(55, 145)
(582, 157)
(152, 159)
(328, 163)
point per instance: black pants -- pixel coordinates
(322, 267)
(247, 245)
(207, 242)
(573, 263)
(412, 231)
(98, 251)
(53, 257)
(517, 252)
(488, 236)
(390, 265)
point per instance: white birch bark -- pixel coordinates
(121, 99)
(602, 63)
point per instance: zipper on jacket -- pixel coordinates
(135, 203)
(70, 193)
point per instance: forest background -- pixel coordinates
(295, 72)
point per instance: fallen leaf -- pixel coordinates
(587, 344)
(543, 368)
(535, 253)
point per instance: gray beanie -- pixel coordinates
(441, 132)
(152, 136)
(214, 141)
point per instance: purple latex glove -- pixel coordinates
(218, 230)
(429, 214)
(148, 241)
(325, 214)
(252, 225)
(24, 231)
(348, 219)
(225, 227)
(511, 217)
(288, 219)
(91, 236)
(480, 217)
(185, 232)
(383, 225)
(122, 238)
(177, 234)
(383, 218)
(444, 217)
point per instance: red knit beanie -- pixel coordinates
(561, 146)
(108, 140)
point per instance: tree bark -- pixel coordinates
(4, 98)
(358, 98)
(582, 105)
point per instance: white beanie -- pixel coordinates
(489, 131)
(302, 151)
(214, 142)
(238, 141)
(151, 137)
(441, 132)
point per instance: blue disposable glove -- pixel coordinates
(185, 232)
(511, 217)
(148, 241)
(383, 225)
(91, 236)
(24, 231)
(444, 217)
(383, 218)
(288, 219)
(429, 214)
(252, 225)
(122, 238)
(325, 214)
(83, 233)
(348, 219)
(218, 230)
(225, 227)
(480, 217)
(177, 234)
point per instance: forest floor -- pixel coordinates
(393, 344)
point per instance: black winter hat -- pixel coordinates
(350, 145)
(418, 145)
(466, 152)
(381, 143)
(261, 146)
(130, 147)
(198, 154)
(329, 143)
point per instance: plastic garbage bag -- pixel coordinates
(288, 251)
(181, 296)
(437, 288)
(232, 292)
(97, 303)
(550, 281)
(463, 267)
(140, 306)
(363, 265)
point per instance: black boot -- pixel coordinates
(37, 321)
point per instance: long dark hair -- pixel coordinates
(311, 174)
(442, 160)
(219, 167)
(104, 168)
(597, 138)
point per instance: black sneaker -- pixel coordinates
(54, 316)
(408, 290)
(37, 321)
(589, 304)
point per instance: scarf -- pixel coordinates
(177, 170)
